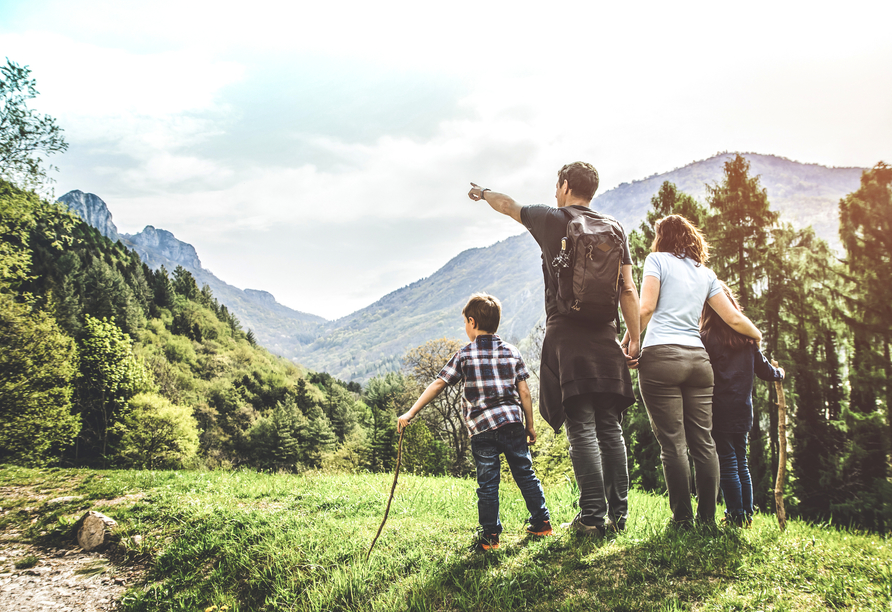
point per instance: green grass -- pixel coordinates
(249, 541)
(26, 562)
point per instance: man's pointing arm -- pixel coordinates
(499, 201)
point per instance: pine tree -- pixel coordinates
(384, 396)
(738, 228)
(865, 228)
(667, 201)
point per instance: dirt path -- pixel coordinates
(60, 580)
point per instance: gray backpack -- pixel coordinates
(588, 267)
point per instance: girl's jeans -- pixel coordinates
(509, 440)
(737, 486)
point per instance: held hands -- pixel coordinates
(632, 351)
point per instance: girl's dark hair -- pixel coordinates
(714, 328)
(675, 234)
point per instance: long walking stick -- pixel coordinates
(396, 473)
(782, 452)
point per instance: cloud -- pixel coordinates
(323, 151)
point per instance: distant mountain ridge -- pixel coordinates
(372, 340)
(804, 194)
(275, 326)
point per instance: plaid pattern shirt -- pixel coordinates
(490, 370)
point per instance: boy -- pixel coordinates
(495, 403)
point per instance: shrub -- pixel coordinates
(154, 433)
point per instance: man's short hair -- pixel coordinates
(486, 310)
(582, 179)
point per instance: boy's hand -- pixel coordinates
(476, 192)
(403, 421)
(783, 374)
(531, 435)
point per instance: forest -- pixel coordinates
(826, 317)
(105, 362)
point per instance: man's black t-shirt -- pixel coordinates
(548, 225)
(577, 358)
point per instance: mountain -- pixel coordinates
(276, 327)
(93, 210)
(804, 194)
(374, 339)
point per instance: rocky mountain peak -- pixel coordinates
(93, 210)
(151, 243)
(261, 297)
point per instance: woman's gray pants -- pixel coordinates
(676, 384)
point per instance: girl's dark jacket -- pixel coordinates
(732, 400)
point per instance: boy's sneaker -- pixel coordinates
(586, 525)
(485, 542)
(539, 528)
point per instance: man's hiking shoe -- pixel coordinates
(586, 526)
(539, 528)
(485, 542)
(674, 526)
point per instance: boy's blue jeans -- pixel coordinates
(737, 486)
(509, 440)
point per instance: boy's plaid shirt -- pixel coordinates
(491, 370)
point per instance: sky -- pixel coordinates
(322, 151)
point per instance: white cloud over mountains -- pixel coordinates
(322, 151)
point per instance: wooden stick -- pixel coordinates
(396, 473)
(781, 453)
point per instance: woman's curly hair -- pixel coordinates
(677, 235)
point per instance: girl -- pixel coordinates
(734, 359)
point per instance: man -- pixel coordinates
(585, 381)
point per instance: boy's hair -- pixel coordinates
(486, 310)
(675, 234)
(582, 179)
(712, 325)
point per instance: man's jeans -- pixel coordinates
(737, 486)
(511, 441)
(598, 454)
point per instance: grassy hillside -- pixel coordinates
(248, 541)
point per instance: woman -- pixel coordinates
(675, 375)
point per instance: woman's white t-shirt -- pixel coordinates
(684, 288)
